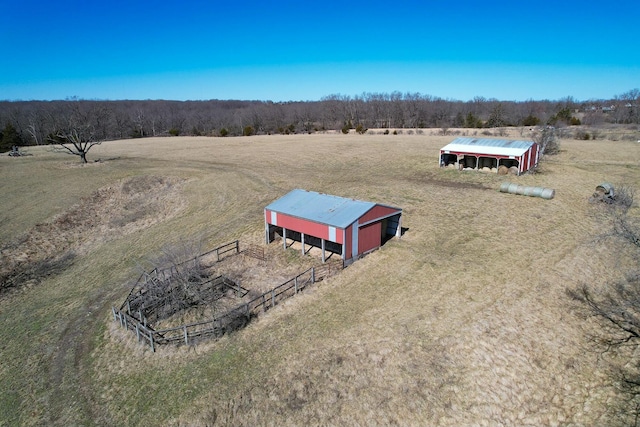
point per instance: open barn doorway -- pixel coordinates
(448, 159)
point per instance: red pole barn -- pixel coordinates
(347, 227)
(489, 154)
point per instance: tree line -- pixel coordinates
(43, 122)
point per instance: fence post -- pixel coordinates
(186, 336)
(295, 284)
(125, 322)
(313, 275)
(113, 310)
(153, 348)
(138, 332)
(237, 246)
(273, 298)
(264, 303)
(128, 307)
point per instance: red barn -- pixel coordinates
(334, 224)
(486, 153)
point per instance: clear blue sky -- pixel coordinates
(304, 50)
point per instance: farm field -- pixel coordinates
(462, 321)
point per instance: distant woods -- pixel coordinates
(43, 122)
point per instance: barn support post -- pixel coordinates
(323, 246)
(302, 242)
(113, 310)
(399, 229)
(128, 308)
(313, 275)
(284, 237)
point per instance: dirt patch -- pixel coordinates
(109, 212)
(430, 180)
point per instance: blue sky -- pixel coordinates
(304, 50)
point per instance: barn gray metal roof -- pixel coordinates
(335, 211)
(503, 147)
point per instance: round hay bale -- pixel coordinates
(548, 193)
(486, 169)
(494, 170)
(513, 170)
(503, 170)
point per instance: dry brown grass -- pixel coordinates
(464, 321)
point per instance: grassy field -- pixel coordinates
(463, 321)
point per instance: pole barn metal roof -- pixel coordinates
(493, 147)
(334, 211)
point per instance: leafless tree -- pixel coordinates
(178, 282)
(616, 307)
(36, 125)
(77, 133)
(122, 119)
(547, 141)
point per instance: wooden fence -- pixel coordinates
(256, 252)
(230, 321)
(219, 253)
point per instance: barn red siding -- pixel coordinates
(348, 244)
(534, 156)
(376, 212)
(356, 238)
(303, 226)
(369, 237)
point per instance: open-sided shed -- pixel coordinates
(347, 227)
(489, 154)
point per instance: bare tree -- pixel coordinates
(75, 141)
(76, 128)
(547, 140)
(616, 307)
(180, 283)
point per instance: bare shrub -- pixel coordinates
(615, 305)
(177, 283)
(624, 197)
(35, 271)
(547, 141)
